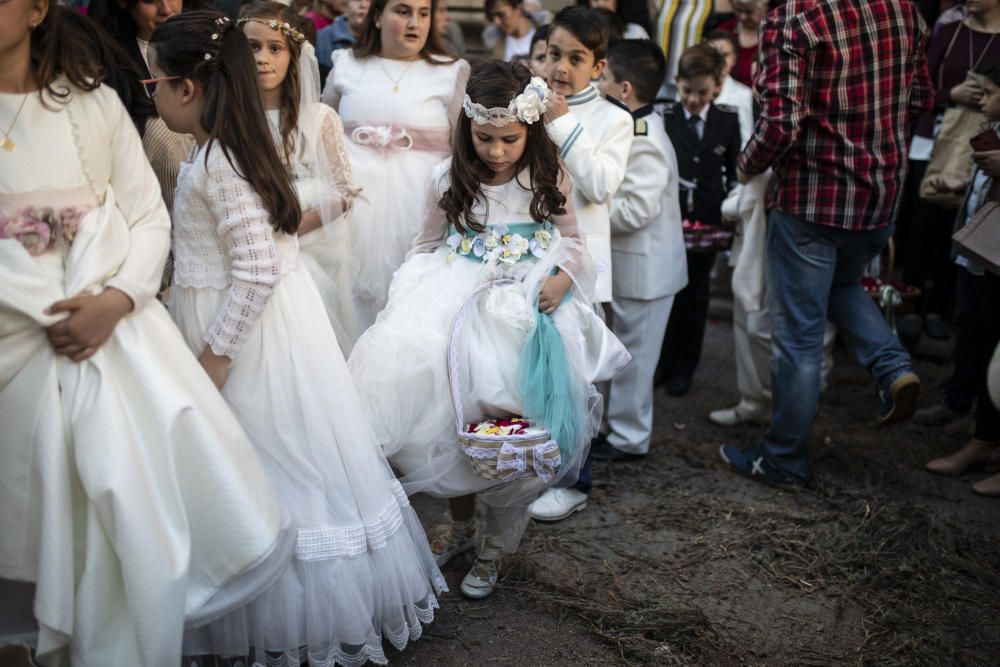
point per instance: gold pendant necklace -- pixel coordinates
(7, 144)
(395, 82)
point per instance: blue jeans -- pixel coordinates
(813, 274)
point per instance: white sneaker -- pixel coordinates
(746, 412)
(452, 540)
(482, 578)
(557, 504)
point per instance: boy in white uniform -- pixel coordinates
(593, 134)
(647, 247)
(594, 137)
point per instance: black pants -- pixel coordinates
(987, 415)
(681, 349)
(923, 247)
(962, 385)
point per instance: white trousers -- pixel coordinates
(640, 326)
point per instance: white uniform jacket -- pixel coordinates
(647, 243)
(594, 140)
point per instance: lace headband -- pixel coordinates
(284, 27)
(526, 107)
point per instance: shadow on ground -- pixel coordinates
(677, 562)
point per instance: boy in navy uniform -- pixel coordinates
(707, 142)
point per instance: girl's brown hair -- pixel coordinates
(204, 46)
(289, 114)
(370, 43)
(495, 83)
(55, 52)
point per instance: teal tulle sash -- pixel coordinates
(548, 393)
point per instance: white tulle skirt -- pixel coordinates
(400, 371)
(326, 253)
(362, 570)
(385, 220)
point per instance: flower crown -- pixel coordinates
(526, 107)
(283, 27)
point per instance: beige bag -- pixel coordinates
(951, 159)
(979, 240)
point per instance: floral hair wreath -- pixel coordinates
(526, 107)
(283, 27)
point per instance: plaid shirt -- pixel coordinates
(840, 83)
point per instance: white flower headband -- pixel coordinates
(526, 107)
(283, 27)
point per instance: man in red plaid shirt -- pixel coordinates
(840, 84)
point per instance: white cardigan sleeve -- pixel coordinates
(137, 193)
(244, 227)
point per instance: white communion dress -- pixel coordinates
(130, 496)
(322, 178)
(394, 141)
(399, 364)
(362, 569)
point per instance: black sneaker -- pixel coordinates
(750, 463)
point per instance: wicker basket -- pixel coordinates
(493, 456)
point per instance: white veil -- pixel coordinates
(323, 179)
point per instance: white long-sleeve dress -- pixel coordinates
(321, 170)
(394, 141)
(362, 569)
(399, 364)
(129, 495)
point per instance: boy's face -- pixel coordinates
(571, 65)
(725, 47)
(608, 85)
(538, 63)
(697, 92)
(990, 102)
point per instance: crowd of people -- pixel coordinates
(269, 270)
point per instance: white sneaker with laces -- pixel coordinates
(557, 504)
(452, 540)
(482, 578)
(746, 412)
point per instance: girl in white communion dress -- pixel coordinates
(131, 501)
(399, 95)
(310, 139)
(246, 305)
(498, 208)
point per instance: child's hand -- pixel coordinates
(557, 107)
(217, 366)
(90, 324)
(989, 162)
(553, 291)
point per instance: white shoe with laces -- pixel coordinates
(454, 539)
(482, 578)
(557, 504)
(746, 412)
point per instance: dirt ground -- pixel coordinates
(676, 561)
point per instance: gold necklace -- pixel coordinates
(395, 82)
(7, 143)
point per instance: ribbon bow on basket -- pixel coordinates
(499, 453)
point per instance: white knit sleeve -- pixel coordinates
(244, 228)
